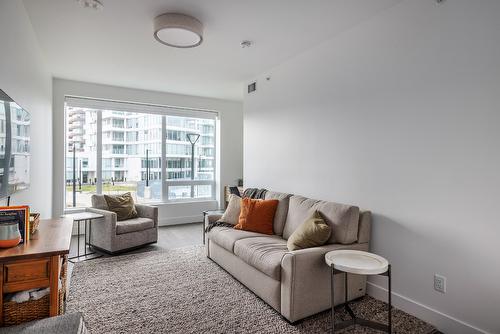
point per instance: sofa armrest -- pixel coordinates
(147, 211)
(305, 280)
(109, 217)
(212, 218)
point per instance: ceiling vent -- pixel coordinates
(252, 87)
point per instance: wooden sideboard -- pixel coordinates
(36, 263)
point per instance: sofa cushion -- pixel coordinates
(281, 210)
(226, 236)
(263, 253)
(257, 215)
(232, 212)
(134, 225)
(342, 218)
(312, 233)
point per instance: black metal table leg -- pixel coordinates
(354, 319)
(83, 257)
(78, 240)
(333, 300)
(90, 234)
(203, 225)
(389, 330)
(85, 238)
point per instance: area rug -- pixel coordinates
(181, 291)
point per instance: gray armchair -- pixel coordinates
(114, 236)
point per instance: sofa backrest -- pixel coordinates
(342, 218)
(281, 210)
(98, 202)
(364, 226)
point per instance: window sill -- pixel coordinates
(189, 201)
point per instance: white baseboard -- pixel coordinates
(443, 322)
(180, 220)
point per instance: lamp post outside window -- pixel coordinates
(193, 138)
(147, 189)
(74, 174)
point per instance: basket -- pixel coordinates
(17, 313)
(34, 222)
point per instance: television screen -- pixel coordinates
(14, 146)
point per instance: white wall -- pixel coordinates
(399, 115)
(24, 77)
(231, 139)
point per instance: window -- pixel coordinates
(81, 141)
(134, 140)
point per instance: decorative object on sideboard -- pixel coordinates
(34, 222)
(9, 233)
(240, 182)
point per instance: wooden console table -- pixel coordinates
(35, 264)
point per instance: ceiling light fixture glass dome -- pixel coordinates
(178, 30)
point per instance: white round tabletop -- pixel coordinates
(357, 262)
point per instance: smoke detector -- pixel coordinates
(94, 4)
(246, 44)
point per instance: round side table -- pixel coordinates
(359, 263)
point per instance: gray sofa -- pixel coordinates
(294, 283)
(114, 236)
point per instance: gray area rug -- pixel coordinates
(181, 291)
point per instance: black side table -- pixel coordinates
(86, 218)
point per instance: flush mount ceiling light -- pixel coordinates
(178, 30)
(94, 4)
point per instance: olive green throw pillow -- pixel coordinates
(122, 205)
(311, 233)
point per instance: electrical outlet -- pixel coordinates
(439, 283)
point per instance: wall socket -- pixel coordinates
(439, 283)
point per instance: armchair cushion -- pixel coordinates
(134, 225)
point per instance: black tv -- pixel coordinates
(14, 146)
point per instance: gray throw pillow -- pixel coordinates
(311, 233)
(232, 213)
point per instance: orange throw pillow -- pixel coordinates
(257, 215)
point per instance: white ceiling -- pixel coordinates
(115, 46)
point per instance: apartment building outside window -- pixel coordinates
(114, 147)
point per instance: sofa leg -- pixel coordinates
(122, 251)
(292, 323)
